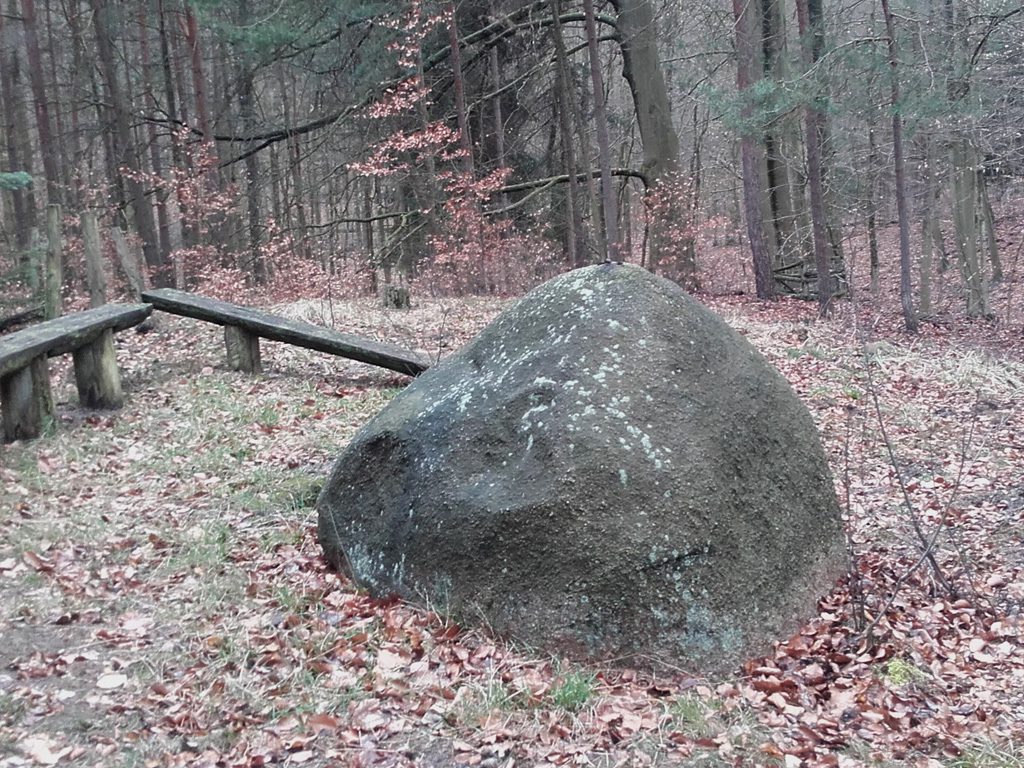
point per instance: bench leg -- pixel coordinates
(96, 374)
(26, 400)
(243, 350)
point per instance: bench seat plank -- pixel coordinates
(66, 334)
(269, 326)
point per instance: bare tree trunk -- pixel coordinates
(988, 223)
(459, 85)
(53, 266)
(872, 213)
(816, 191)
(931, 231)
(179, 161)
(782, 133)
(611, 227)
(641, 66)
(465, 138)
(924, 289)
(700, 129)
(585, 163)
(247, 119)
(964, 165)
(15, 127)
(643, 72)
(371, 257)
(499, 119)
(965, 220)
(906, 292)
(295, 163)
(79, 84)
(565, 99)
(573, 224)
(750, 153)
(131, 267)
(58, 108)
(94, 272)
(44, 127)
(198, 76)
(124, 146)
(162, 218)
(430, 183)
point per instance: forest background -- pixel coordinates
(165, 602)
(481, 147)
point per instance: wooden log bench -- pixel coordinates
(244, 327)
(25, 396)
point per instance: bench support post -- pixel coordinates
(26, 400)
(243, 349)
(96, 374)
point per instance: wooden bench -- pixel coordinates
(25, 396)
(244, 327)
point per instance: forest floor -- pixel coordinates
(163, 601)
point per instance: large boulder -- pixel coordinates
(608, 471)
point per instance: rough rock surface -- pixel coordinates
(608, 470)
